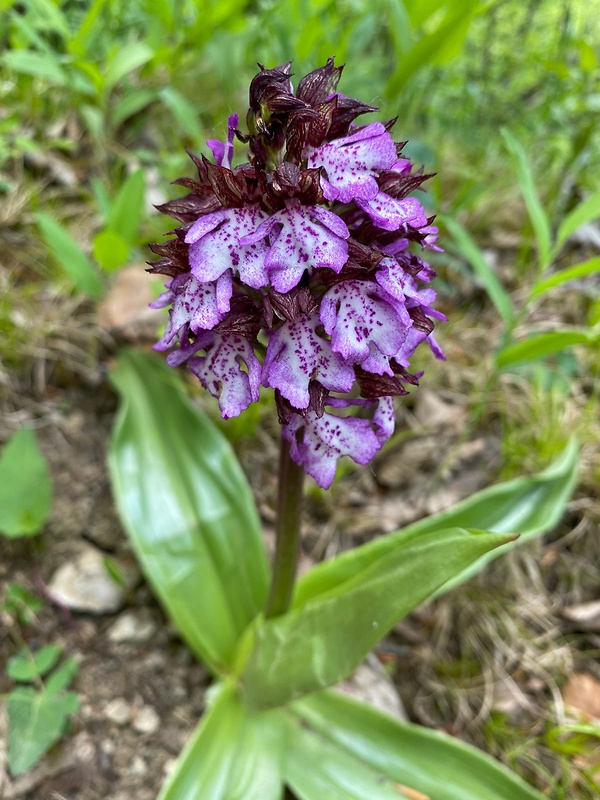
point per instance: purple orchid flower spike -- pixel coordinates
(300, 270)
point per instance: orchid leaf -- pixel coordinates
(356, 743)
(187, 509)
(323, 641)
(528, 506)
(232, 755)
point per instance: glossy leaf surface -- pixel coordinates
(528, 506)
(405, 756)
(187, 508)
(324, 640)
(231, 756)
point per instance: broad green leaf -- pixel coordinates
(126, 212)
(469, 249)
(187, 508)
(324, 640)
(25, 486)
(537, 215)
(575, 272)
(126, 59)
(545, 344)
(36, 720)
(110, 250)
(39, 65)
(50, 16)
(26, 666)
(61, 678)
(232, 755)
(316, 768)
(585, 212)
(411, 757)
(70, 256)
(528, 506)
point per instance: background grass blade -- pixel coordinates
(467, 247)
(70, 256)
(585, 212)
(537, 215)
(545, 344)
(187, 508)
(323, 641)
(578, 271)
(439, 766)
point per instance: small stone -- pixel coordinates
(146, 720)
(133, 626)
(138, 766)
(169, 766)
(582, 693)
(371, 684)
(118, 711)
(85, 584)
(585, 615)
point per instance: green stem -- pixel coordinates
(287, 543)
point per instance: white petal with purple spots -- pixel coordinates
(296, 355)
(316, 444)
(401, 285)
(197, 306)
(215, 246)
(352, 162)
(220, 371)
(366, 325)
(301, 237)
(391, 214)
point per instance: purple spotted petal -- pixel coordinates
(366, 325)
(220, 371)
(301, 237)
(400, 285)
(164, 299)
(351, 163)
(296, 355)
(391, 214)
(215, 246)
(223, 151)
(324, 440)
(384, 419)
(199, 306)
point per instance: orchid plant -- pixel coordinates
(300, 270)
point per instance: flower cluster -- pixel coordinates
(294, 270)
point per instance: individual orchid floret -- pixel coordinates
(300, 269)
(216, 246)
(301, 237)
(220, 371)
(367, 326)
(296, 354)
(316, 443)
(352, 163)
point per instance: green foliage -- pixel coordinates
(188, 510)
(190, 516)
(367, 743)
(37, 716)
(20, 603)
(25, 486)
(329, 632)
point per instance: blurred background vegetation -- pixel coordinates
(500, 98)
